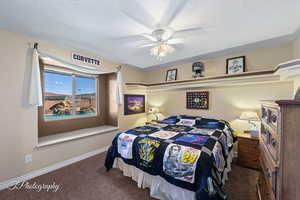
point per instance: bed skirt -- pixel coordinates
(159, 187)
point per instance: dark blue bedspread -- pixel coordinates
(187, 151)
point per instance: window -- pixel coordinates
(69, 96)
(74, 101)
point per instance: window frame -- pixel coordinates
(73, 76)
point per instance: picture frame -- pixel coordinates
(197, 100)
(134, 104)
(236, 65)
(171, 75)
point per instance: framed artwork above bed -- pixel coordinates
(197, 100)
(134, 104)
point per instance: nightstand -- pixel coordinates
(248, 150)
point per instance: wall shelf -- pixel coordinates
(283, 72)
(214, 81)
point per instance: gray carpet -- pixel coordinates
(88, 180)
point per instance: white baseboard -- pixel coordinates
(33, 174)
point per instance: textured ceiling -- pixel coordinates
(102, 27)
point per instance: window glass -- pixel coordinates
(69, 96)
(85, 96)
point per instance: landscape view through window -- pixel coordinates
(68, 96)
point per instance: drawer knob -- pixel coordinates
(273, 142)
(274, 118)
(266, 132)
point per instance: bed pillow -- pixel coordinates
(209, 123)
(187, 122)
(189, 117)
(169, 120)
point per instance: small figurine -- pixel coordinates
(198, 68)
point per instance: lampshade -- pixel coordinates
(250, 116)
(153, 110)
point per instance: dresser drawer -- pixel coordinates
(269, 170)
(270, 116)
(271, 140)
(265, 133)
(273, 147)
(273, 118)
(263, 192)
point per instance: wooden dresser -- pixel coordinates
(280, 151)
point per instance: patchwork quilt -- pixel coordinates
(187, 151)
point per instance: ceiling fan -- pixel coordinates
(163, 39)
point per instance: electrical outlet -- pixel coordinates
(28, 158)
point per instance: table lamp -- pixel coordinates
(251, 117)
(154, 111)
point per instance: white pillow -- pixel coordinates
(187, 122)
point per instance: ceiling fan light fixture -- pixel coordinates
(161, 50)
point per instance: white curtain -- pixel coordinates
(119, 95)
(35, 90)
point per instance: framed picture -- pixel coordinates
(236, 65)
(171, 75)
(197, 100)
(134, 104)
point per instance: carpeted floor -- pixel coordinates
(88, 180)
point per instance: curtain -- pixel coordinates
(119, 95)
(35, 90)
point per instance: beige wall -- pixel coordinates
(18, 121)
(131, 75)
(256, 60)
(225, 102)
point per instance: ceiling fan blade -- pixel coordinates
(173, 10)
(133, 10)
(189, 31)
(175, 41)
(147, 45)
(129, 38)
(150, 37)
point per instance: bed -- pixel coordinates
(179, 158)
